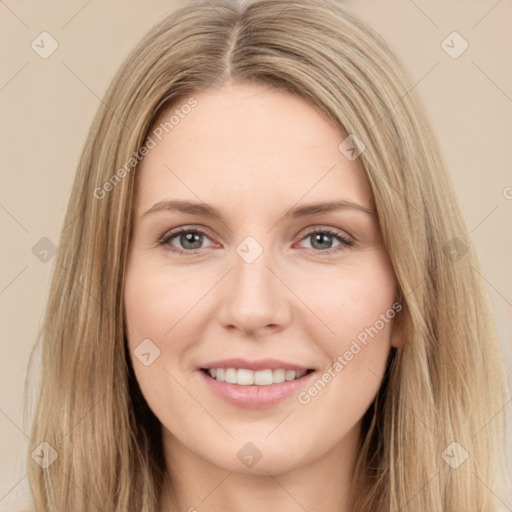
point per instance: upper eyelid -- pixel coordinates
(314, 228)
(174, 232)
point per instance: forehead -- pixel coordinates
(249, 144)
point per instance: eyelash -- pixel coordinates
(345, 242)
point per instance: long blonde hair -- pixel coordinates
(446, 385)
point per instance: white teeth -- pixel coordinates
(230, 376)
(245, 377)
(263, 377)
(289, 375)
(279, 375)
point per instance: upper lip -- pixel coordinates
(260, 364)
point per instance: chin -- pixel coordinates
(250, 460)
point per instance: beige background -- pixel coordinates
(48, 104)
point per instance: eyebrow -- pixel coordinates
(206, 210)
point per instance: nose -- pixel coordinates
(254, 297)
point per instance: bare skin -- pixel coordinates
(252, 153)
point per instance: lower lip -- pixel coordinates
(255, 397)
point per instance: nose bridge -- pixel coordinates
(254, 297)
(251, 274)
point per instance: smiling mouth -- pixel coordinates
(246, 377)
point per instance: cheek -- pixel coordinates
(157, 305)
(364, 313)
(353, 303)
(359, 310)
(163, 305)
(157, 300)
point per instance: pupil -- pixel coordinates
(321, 238)
(191, 238)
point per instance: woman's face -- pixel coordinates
(260, 282)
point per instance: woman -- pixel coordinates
(265, 294)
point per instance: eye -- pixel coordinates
(190, 240)
(322, 240)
